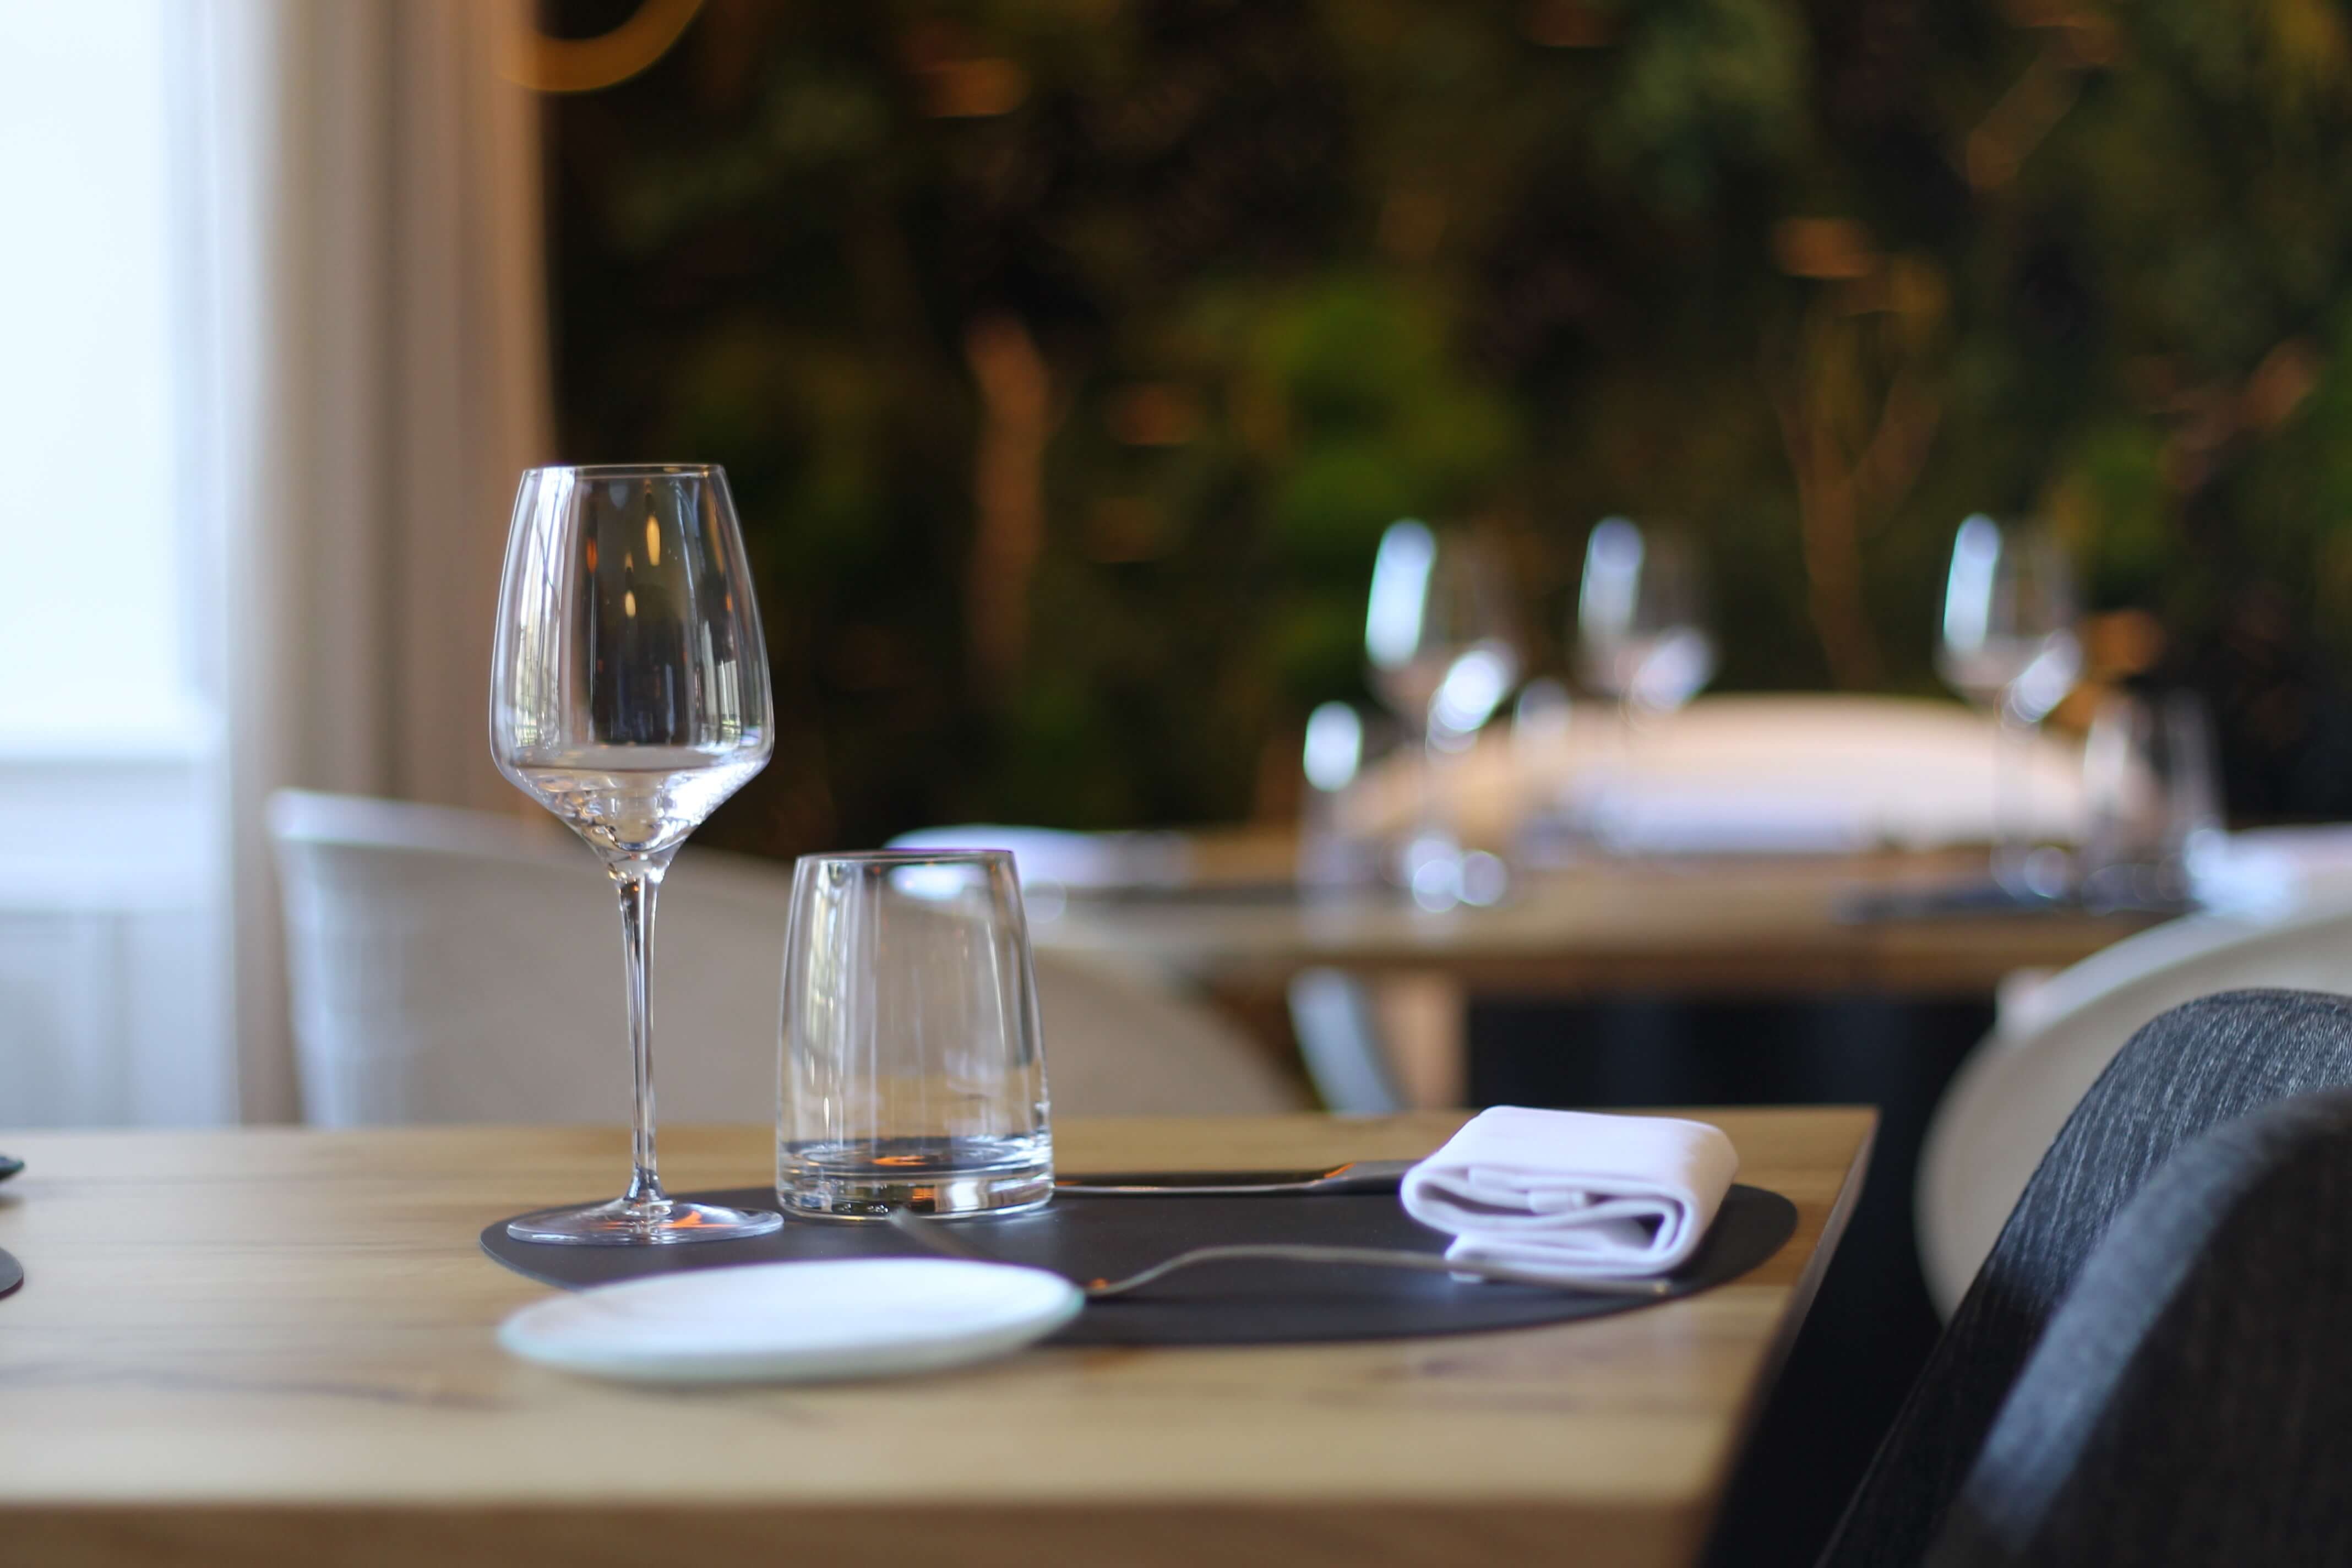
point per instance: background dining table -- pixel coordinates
(1782, 924)
(1697, 928)
(275, 1345)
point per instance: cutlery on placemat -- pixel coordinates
(1355, 1176)
(941, 1238)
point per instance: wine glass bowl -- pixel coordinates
(2008, 634)
(1642, 616)
(1439, 635)
(629, 696)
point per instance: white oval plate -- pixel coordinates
(787, 1322)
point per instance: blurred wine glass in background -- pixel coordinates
(1539, 726)
(1642, 641)
(1549, 831)
(2008, 645)
(1642, 618)
(1331, 853)
(1440, 637)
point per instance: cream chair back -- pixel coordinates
(455, 967)
(2014, 1092)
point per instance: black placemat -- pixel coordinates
(12, 1273)
(1218, 1303)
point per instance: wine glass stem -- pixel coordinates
(638, 881)
(1432, 813)
(1613, 821)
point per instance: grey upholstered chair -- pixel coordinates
(2191, 1402)
(2190, 1071)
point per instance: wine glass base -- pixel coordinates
(665, 1223)
(2033, 873)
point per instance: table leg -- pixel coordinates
(1422, 1017)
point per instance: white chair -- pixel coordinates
(453, 967)
(1331, 1012)
(2008, 1101)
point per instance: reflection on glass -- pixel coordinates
(1335, 747)
(1335, 849)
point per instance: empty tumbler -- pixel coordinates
(913, 1074)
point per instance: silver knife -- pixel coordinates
(1355, 1176)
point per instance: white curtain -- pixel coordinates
(369, 351)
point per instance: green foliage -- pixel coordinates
(1704, 89)
(1296, 268)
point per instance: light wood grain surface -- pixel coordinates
(275, 1346)
(1763, 927)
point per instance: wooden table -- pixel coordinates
(274, 1346)
(1752, 927)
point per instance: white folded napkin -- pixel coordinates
(1559, 1193)
(1730, 820)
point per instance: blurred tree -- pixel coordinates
(1069, 356)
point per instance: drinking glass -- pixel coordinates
(913, 1075)
(2009, 645)
(1641, 641)
(2155, 805)
(1442, 640)
(629, 696)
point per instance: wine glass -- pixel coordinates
(1640, 616)
(1440, 638)
(2008, 645)
(1642, 636)
(629, 696)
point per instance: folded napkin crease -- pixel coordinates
(1559, 1193)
